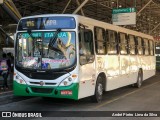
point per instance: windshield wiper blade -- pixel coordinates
(53, 39)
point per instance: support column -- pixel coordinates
(154, 28)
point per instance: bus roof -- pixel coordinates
(49, 15)
(94, 22)
(112, 27)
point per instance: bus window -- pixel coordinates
(100, 40)
(151, 45)
(112, 42)
(139, 46)
(123, 43)
(146, 47)
(86, 50)
(132, 45)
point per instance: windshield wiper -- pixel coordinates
(30, 33)
(53, 39)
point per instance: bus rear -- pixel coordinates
(45, 57)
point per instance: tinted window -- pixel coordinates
(86, 50)
(100, 40)
(151, 45)
(112, 42)
(123, 43)
(146, 47)
(132, 45)
(140, 46)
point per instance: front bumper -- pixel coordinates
(46, 91)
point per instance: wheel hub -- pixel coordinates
(100, 89)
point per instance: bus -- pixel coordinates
(157, 53)
(72, 56)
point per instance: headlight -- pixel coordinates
(68, 81)
(19, 79)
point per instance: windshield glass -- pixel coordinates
(33, 51)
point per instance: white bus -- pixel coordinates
(71, 56)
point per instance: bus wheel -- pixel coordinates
(97, 97)
(139, 79)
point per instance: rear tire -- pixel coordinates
(97, 97)
(139, 79)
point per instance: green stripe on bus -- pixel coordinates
(20, 90)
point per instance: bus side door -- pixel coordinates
(86, 63)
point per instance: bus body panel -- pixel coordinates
(87, 80)
(133, 63)
(120, 81)
(124, 65)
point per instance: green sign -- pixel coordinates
(123, 10)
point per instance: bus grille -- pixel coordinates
(42, 90)
(44, 76)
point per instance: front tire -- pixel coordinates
(97, 97)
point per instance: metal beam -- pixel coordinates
(30, 4)
(144, 7)
(78, 3)
(11, 9)
(84, 2)
(66, 6)
(154, 28)
(101, 4)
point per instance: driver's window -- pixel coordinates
(86, 50)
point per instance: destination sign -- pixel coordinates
(45, 23)
(124, 16)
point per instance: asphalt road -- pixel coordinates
(146, 98)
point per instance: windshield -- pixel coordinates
(34, 52)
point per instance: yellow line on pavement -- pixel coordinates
(110, 101)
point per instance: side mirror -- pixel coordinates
(14, 36)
